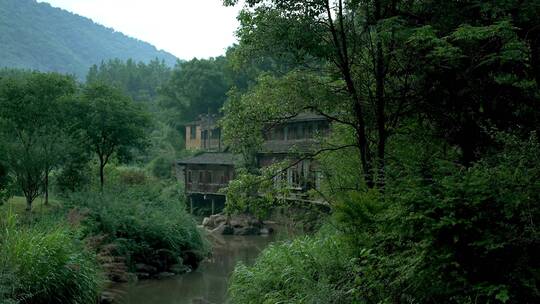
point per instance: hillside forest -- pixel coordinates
(37, 36)
(430, 177)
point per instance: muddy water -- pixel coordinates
(208, 284)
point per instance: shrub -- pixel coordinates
(161, 167)
(144, 225)
(132, 176)
(5, 183)
(439, 233)
(46, 266)
(450, 234)
(314, 269)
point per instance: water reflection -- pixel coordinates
(208, 284)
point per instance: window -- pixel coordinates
(293, 177)
(204, 138)
(318, 180)
(192, 132)
(291, 132)
(223, 178)
(189, 176)
(215, 133)
(300, 131)
(323, 128)
(278, 133)
(208, 177)
(308, 130)
(201, 177)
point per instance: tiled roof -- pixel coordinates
(210, 158)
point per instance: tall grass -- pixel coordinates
(45, 265)
(310, 269)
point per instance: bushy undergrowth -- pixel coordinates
(439, 233)
(144, 224)
(310, 269)
(447, 234)
(52, 265)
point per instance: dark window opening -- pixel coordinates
(216, 133)
(192, 132)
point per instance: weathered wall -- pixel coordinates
(193, 143)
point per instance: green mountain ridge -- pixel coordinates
(38, 36)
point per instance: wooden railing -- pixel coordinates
(205, 188)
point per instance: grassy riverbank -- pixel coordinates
(68, 250)
(45, 262)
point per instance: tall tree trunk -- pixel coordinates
(46, 186)
(535, 54)
(343, 63)
(102, 163)
(380, 101)
(29, 201)
(381, 116)
(101, 176)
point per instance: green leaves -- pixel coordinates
(196, 87)
(34, 123)
(112, 123)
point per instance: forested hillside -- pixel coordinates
(37, 36)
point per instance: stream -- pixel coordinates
(207, 284)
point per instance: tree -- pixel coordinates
(385, 72)
(344, 47)
(112, 123)
(196, 87)
(5, 179)
(139, 80)
(33, 123)
(476, 71)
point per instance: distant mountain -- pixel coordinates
(38, 36)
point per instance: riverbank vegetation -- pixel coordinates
(429, 182)
(46, 263)
(87, 189)
(431, 172)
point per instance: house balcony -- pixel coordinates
(204, 188)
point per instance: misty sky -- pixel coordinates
(185, 28)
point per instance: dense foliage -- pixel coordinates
(34, 119)
(111, 124)
(39, 37)
(139, 80)
(48, 123)
(46, 264)
(440, 233)
(143, 223)
(432, 166)
(306, 270)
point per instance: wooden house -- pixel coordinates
(206, 173)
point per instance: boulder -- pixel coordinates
(142, 275)
(207, 222)
(106, 297)
(164, 275)
(145, 268)
(223, 229)
(179, 268)
(246, 231)
(266, 231)
(219, 219)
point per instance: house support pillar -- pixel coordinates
(213, 206)
(191, 204)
